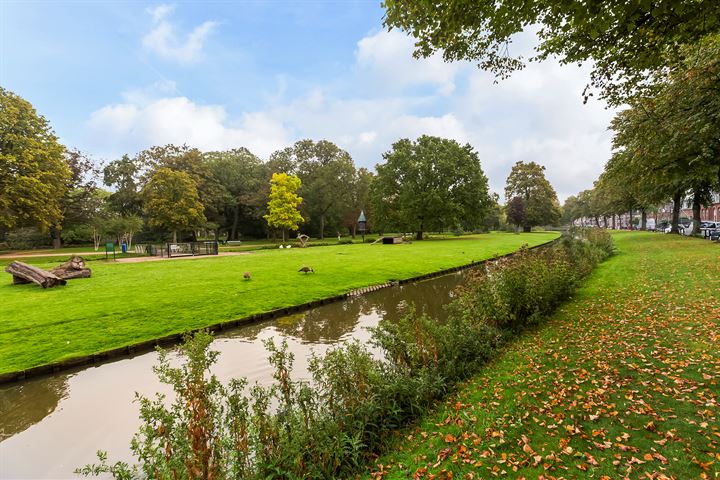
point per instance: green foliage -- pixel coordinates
(327, 174)
(527, 181)
(172, 202)
(330, 427)
(629, 44)
(515, 212)
(27, 238)
(124, 175)
(243, 176)
(33, 171)
(283, 205)
(430, 184)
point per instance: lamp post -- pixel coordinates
(362, 224)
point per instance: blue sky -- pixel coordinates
(117, 77)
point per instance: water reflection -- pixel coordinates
(25, 404)
(94, 406)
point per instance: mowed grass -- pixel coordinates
(623, 382)
(126, 303)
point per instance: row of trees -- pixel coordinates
(659, 58)
(666, 144)
(429, 184)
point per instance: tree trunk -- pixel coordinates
(236, 219)
(696, 214)
(597, 221)
(643, 219)
(174, 236)
(283, 234)
(73, 268)
(677, 198)
(527, 228)
(57, 241)
(322, 226)
(419, 235)
(613, 221)
(24, 273)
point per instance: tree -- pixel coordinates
(515, 212)
(172, 201)
(210, 191)
(242, 175)
(326, 171)
(79, 201)
(283, 205)
(124, 175)
(527, 180)
(33, 172)
(123, 228)
(431, 183)
(629, 43)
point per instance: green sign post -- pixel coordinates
(109, 248)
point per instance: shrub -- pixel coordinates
(27, 238)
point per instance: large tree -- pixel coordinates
(190, 160)
(326, 172)
(629, 43)
(243, 175)
(33, 171)
(172, 202)
(79, 202)
(430, 183)
(527, 181)
(283, 210)
(124, 175)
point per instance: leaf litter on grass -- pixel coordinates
(621, 383)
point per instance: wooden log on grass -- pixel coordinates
(73, 268)
(24, 273)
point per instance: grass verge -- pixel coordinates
(622, 382)
(123, 304)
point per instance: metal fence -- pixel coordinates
(182, 249)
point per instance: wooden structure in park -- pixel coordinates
(24, 273)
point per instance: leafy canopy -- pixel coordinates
(629, 43)
(172, 202)
(430, 184)
(283, 205)
(527, 181)
(33, 173)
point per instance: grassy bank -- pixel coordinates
(129, 303)
(621, 382)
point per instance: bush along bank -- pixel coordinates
(331, 426)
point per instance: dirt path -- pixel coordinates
(36, 255)
(189, 257)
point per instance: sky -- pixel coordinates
(118, 77)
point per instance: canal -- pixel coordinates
(51, 425)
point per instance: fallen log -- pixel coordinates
(24, 273)
(73, 268)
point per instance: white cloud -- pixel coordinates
(164, 41)
(130, 127)
(536, 115)
(385, 59)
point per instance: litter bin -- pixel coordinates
(124, 247)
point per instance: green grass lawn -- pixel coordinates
(622, 382)
(127, 303)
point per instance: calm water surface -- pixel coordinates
(49, 426)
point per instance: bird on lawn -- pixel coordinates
(246, 275)
(306, 270)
